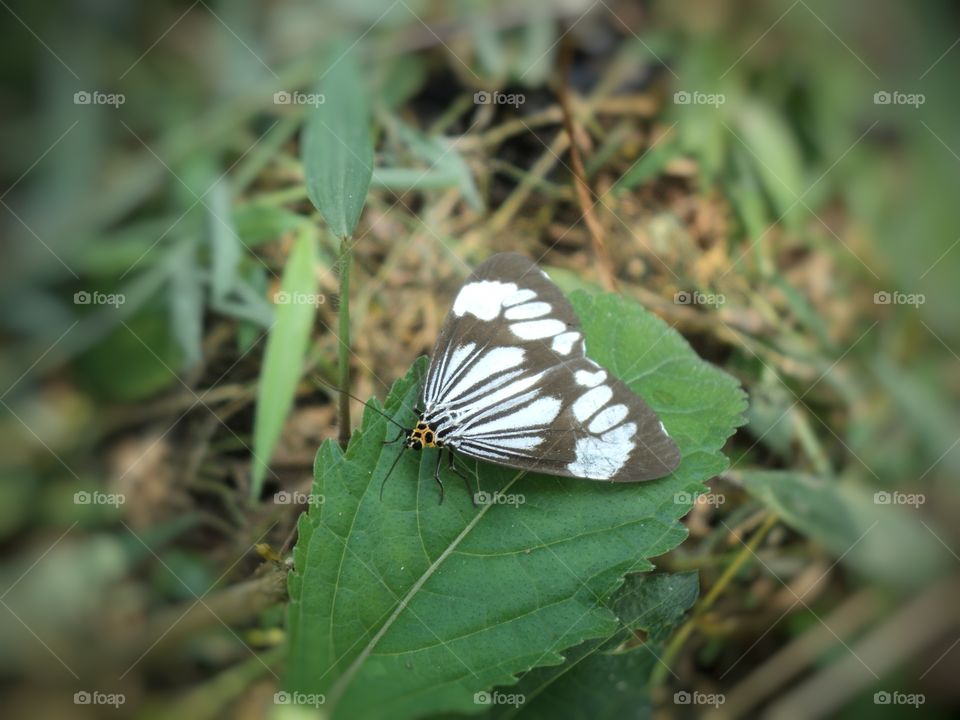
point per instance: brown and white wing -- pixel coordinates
(510, 383)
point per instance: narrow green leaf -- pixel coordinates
(225, 249)
(490, 50)
(285, 352)
(402, 608)
(404, 179)
(747, 198)
(536, 58)
(186, 302)
(337, 143)
(399, 80)
(873, 533)
(771, 146)
(258, 223)
(444, 160)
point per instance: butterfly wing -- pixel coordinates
(510, 383)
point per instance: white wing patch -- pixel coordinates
(507, 397)
(537, 329)
(587, 404)
(489, 364)
(608, 418)
(527, 311)
(542, 411)
(483, 298)
(520, 296)
(601, 457)
(589, 379)
(563, 343)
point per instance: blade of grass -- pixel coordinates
(285, 352)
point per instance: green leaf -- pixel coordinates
(338, 145)
(399, 80)
(599, 678)
(185, 298)
(137, 360)
(771, 146)
(402, 608)
(285, 352)
(258, 223)
(875, 537)
(446, 166)
(225, 250)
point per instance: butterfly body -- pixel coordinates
(509, 383)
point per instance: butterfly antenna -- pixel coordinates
(389, 473)
(362, 402)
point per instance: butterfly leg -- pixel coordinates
(466, 481)
(436, 476)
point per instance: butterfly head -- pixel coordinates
(423, 435)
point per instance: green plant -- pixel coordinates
(400, 608)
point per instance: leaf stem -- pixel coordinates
(346, 255)
(680, 637)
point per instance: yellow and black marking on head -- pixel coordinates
(424, 436)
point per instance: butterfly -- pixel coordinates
(509, 383)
